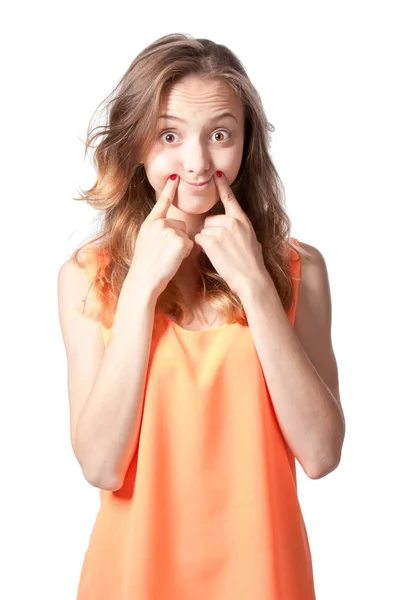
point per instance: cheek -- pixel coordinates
(229, 164)
(230, 158)
(157, 171)
(160, 166)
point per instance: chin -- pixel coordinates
(195, 204)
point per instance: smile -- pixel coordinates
(197, 188)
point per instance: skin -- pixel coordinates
(195, 150)
(300, 366)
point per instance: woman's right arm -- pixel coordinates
(106, 385)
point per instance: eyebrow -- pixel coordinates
(215, 118)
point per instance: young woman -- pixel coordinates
(198, 341)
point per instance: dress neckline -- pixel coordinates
(192, 332)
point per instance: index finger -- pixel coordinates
(228, 198)
(160, 209)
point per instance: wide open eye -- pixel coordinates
(170, 134)
(224, 131)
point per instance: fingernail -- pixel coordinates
(173, 177)
(218, 173)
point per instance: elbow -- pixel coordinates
(101, 482)
(321, 472)
(95, 475)
(98, 477)
(329, 461)
(103, 478)
(323, 467)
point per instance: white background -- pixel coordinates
(328, 77)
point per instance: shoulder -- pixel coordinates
(314, 298)
(70, 272)
(312, 258)
(73, 284)
(308, 261)
(81, 269)
(76, 270)
(313, 319)
(314, 271)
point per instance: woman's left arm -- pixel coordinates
(299, 364)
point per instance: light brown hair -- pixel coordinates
(124, 195)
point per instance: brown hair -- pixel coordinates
(124, 195)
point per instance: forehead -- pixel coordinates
(200, 95)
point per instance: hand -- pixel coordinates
(161, 244)
(230, 242)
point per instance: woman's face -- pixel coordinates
(195, 140)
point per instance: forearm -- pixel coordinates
(308, 414)
(108, 427)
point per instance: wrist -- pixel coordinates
(141, 291)
(256, 286)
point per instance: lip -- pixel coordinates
(198, 187)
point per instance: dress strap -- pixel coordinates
(295, 270)
(93, 261)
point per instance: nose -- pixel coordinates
(196, 159)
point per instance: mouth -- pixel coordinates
(197, 187)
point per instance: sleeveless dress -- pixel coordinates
(209, 507)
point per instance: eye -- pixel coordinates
(224, 131)
(169, 133)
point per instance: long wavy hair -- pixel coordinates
(125, 197)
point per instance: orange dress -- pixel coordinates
(209, 507)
